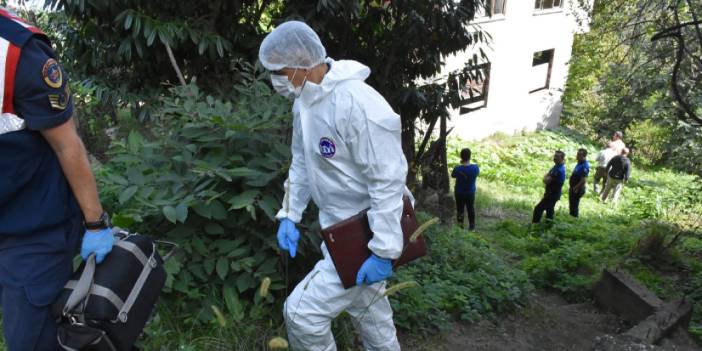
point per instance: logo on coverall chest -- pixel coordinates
(327, 147)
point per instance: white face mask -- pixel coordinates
(284, 87)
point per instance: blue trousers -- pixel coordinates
(33, 270)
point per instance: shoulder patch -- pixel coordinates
(60, 101)
(52, 73)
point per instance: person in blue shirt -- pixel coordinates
(49, 205)
(553, 181)
(464, 192)
(577, 182)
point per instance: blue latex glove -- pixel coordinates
(288, 236)
(373, 270)
(98, 242)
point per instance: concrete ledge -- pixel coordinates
(621, 343)
(661, 323)
(619, 293)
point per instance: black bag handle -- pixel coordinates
(82, 288)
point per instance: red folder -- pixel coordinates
(347, 242)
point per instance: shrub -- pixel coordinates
(462, 278)
(206, 174)
(649, 141)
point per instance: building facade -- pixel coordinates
(527, 70)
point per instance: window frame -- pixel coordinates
(490, 8)
(539, 5)
(464, 108)
(552, 54)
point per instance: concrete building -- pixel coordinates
(527, 70)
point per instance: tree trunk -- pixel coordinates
(444, 160)
(446, 202)
(408, 149)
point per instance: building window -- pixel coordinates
(548, 4)
(474, 92)
(495, 7)
(491, 8)
(541, 66)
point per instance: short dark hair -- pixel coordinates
(584, 152)
(465, 155)
(559, 152)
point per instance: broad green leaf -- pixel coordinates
(222, 267)
(127, 194)
(218, 210)
(213, 229)
(204, 210)
(268, 204)
(170, 213)
(226, 246)
(244, 281)
(234, 305)
(122, 221)
(181, 212)
(241, 172)
(200, 246)
(128, 21)
(134, 141)
(243, 200)
(116, 179)
(209, 265)
(237, 252)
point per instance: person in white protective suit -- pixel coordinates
(347, 157)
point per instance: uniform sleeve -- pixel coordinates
(454, 173)
(373, 137)
(561, 174)
(297, 191)
(42, 96)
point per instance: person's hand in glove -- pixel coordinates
(288, 236)
(98, 242)
(373, 270)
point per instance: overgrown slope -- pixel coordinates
(656, 205)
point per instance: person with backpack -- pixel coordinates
(464, 191)
(618, 171)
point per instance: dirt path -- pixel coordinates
(547, 323)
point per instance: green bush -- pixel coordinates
(207, 174)
(462, 278)
(649, 141)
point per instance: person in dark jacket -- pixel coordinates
(553, 181)
(464, 192)
(618, 171)
(577, 182)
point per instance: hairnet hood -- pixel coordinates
(341, 71)
(293, 44)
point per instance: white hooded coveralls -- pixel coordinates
(347, 156)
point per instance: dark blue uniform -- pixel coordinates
(40, 221)
(551, 195)
(581, 170)
(464, 192)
